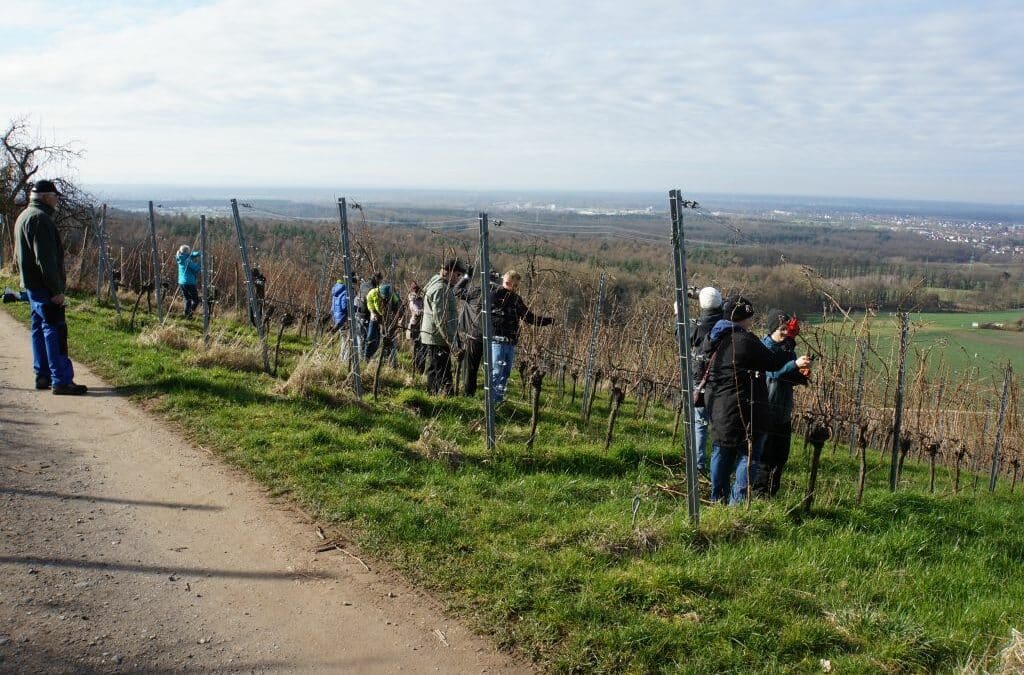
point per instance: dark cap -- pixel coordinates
(737, 308)
(775, 318)
(453, 265)
(44, 186)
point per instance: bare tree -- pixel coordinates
(25, 158)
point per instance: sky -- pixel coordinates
(916, 100)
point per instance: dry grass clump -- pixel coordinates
(167, 335)
(231, 354)
(639, 541)
(433, 446)
(318, 371)
(1010, 659)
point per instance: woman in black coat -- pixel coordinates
(737, 398)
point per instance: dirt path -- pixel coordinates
(125, 549)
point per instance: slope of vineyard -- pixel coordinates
(584, 558)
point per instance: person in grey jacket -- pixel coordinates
(439, 325)
(40, 255)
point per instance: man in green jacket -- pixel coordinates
(40, 256)
(440, 322)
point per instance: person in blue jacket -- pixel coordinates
(189, 266)
(781, 341)
(339, 306)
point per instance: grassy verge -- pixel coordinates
(542, 549)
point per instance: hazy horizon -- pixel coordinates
(577, 198)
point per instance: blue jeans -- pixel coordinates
(700, 436)
(361, 323)
(502, 356)
(725, 461)
(49, 340)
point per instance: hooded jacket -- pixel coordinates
(440, 316)
(39, 250)
(188, 268)
(339, 304)
(377, 304)
(705, 322)
(737, 394)
(782, 381)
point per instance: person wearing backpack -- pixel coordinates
(710, 313)
(737, 398)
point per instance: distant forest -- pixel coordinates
(794, 266)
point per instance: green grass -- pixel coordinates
(538, 548)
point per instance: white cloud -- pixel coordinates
(800, 97)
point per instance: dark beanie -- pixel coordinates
(775, 318)
(737, 308)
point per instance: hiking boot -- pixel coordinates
(70, 389)
(42, 382)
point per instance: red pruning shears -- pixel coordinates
(792, 328)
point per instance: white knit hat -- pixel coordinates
(710, 298)
(185, 249)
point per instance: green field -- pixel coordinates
(955, 343)
(978, 347)
(541, 548)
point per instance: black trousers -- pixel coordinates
(419, 356)
(471, 365)
(190, 292)
(439, 370)
(774, 458)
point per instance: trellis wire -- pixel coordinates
(487, 329)
(677, 205)
(353, 352)
(204, 263)
(255, 307)
(858, 409)
(999, 427)
(592, 349)
(155, 274)
(101, 257)
(897, 423)
(321, 290)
